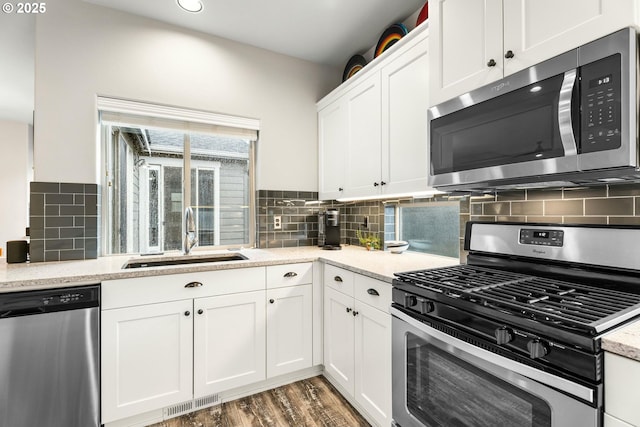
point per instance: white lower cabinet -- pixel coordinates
(357, 340)
(146, 358)
(610, 421)
(173, 343)
(289, 330)
(229, 342)
(621, 396)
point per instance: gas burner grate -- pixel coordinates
(542, 299)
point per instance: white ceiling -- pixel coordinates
(322, 31)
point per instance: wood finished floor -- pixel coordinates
(313, 402)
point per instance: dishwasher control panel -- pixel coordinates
(50, 300)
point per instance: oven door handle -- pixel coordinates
(464, 348)
(565, 114)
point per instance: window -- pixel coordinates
(147, 150)
(432, 228)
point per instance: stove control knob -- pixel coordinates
(410, 301)
(503, 335)
(537, 349)
(426, 306)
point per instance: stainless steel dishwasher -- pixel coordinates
(49, 358)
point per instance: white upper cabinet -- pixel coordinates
(464, 37)
(405, 99)
(476, 43)
(332, 134)
(372, 129)
(364, 146)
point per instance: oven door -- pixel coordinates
(439, 380)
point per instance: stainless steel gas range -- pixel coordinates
(513, 337)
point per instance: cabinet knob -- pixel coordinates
(187, 313)
(193, 285)
(271, 301)
(375, 184)
(291, 274)
(355, 313)
(509, 54)
(340, 189)
(491, 63)
(372, 291)
(200, 311)
(338, 279)
(383, 183)
(348, 310)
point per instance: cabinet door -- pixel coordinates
(229, 342)
(373, 362)
(363, 143)
(405, 92)
(338, 337)
(332, 137)
(536, 30)
(464, 36)
(146, 358)
(289, 329)
(620, 400)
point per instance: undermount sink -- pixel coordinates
(138, 263)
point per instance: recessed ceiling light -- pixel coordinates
(193, 6)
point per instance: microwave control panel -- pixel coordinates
(600, 93)
(541, 237)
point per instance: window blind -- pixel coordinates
(126, 113)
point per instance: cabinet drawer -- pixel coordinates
(152, 289)
(339, 279)
(375, 293)
(280, 276)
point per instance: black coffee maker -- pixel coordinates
(329, 229)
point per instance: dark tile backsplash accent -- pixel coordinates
(63, 221)
(299, 215)
(604, 204)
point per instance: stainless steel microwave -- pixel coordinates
(571, 120)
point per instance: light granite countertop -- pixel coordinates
(624, 341)
(380, 265)
(377, 264)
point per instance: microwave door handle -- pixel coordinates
(565, 113)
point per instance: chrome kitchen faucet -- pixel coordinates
(190, 236)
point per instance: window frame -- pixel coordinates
(200, 120)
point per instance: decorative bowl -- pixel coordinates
(397, 246)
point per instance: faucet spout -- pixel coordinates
(190, 236)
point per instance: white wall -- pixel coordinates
(14, 186)
(84, 50)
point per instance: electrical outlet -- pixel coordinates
(277, 222)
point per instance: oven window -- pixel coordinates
(443, 390)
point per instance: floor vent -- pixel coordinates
(179, 409)
(210, 400)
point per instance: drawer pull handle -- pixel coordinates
(291, 274)
(338, 279)
(372, 291)
(193, 285)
